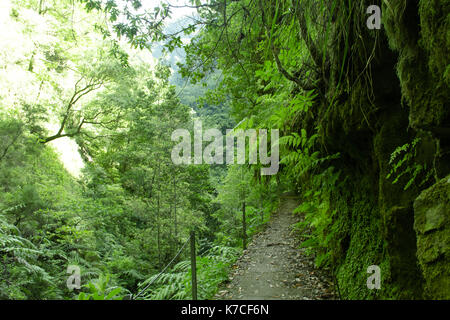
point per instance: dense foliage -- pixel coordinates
(125, 215)
(362, 114)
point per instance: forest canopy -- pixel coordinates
(92, 90)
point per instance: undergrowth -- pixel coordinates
(212, 269)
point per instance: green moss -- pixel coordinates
(396, 18)
(424, 57)
(362, 237)
(366, 121)
(432, 225)
(363, 250)
(435, 36)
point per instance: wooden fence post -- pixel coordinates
(244, 227)
(193, 267)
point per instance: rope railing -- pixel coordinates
(193, 267)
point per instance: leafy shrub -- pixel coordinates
(100, 290)
(212, 269)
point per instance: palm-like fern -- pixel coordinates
(212, 269)
(19, 257)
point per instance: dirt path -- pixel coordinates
(274, 268)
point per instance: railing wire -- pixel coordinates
(165, 268)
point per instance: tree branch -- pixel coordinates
(278, 63)
(78, 93)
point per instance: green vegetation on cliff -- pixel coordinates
(363, 117)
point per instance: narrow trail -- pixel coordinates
(274, 267)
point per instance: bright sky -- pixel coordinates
(177, 13)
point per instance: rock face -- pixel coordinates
(432, 226)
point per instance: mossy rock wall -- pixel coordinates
(404, 95)
(432, 225)
(420, 32)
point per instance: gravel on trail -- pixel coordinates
(274, 267)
